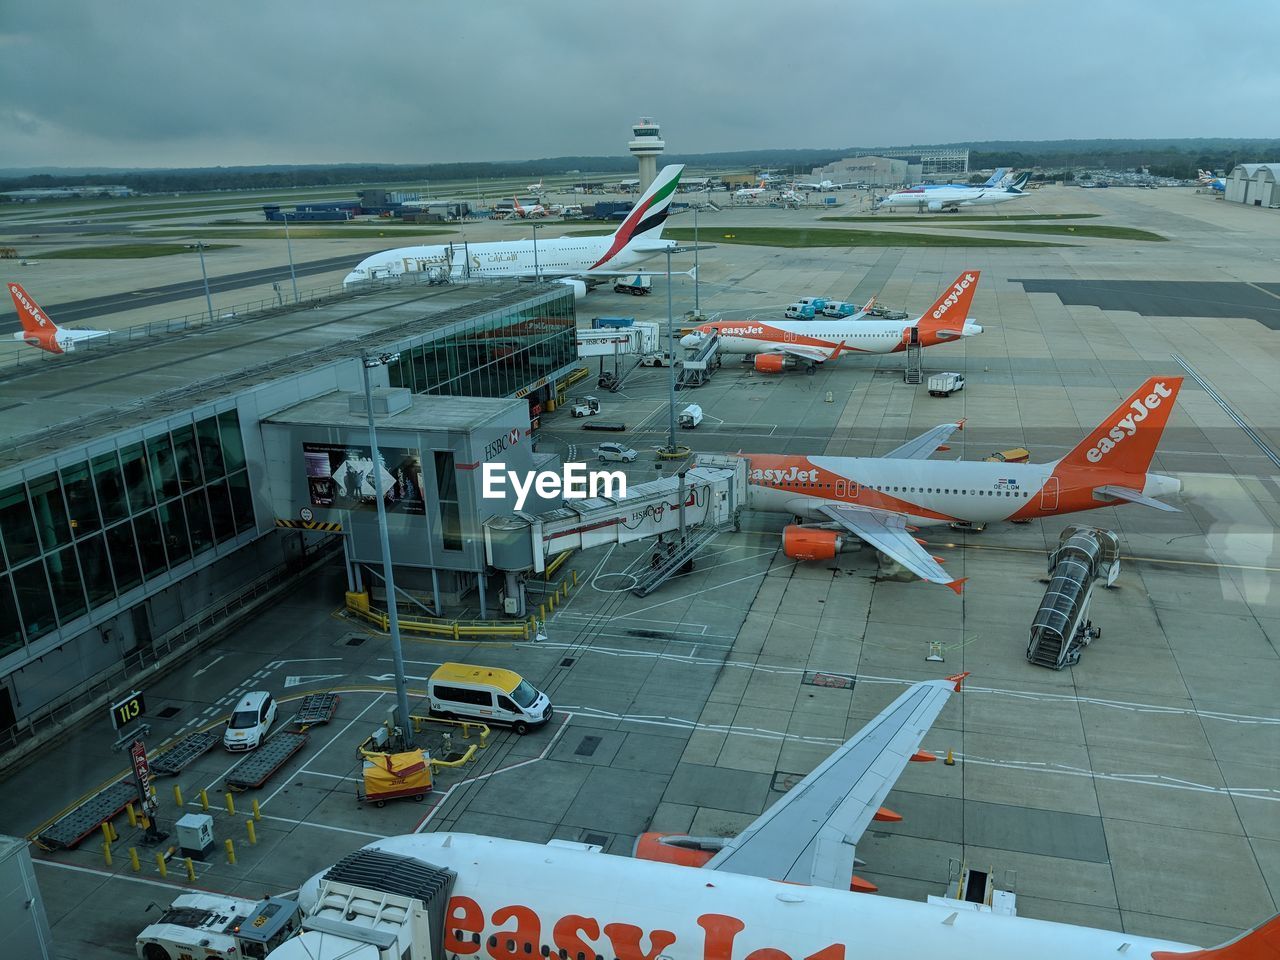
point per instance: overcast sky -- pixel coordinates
(148, 83)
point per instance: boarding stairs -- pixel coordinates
(697, 369)
(914, 372)
(1062, 628)
(668, 559)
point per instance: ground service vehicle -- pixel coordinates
(586, 407)
(690, 416)
(839, 309)
(209, 925)
(656, 360)
(250, 721)
(945, 384)
(488, 694)
(1014, 455)
(801, 311)
(638, 286)
(615, 452)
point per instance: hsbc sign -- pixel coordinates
(506, 442)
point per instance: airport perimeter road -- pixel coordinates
(77, 310)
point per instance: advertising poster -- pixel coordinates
(340, 477)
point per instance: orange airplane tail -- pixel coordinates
(1260, 943)
(37, 328)
(1127, 439)
(945, 319)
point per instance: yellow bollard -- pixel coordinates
(161, 865)
(551, 603)
(575, 578)
(134, 864)
(144, 821)
(106, 851)
(231, 804)
(133, 814)
(106, 832)
(191, 871)
(231, 852)
(533, 625)
(564, 584)
(177, 795)
(253, 833)
(257, 814)
(204, 800)
(951, 759)
(542, 611)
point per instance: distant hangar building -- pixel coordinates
(1254, 184)
(876, 171)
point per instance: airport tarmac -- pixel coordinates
(1138, 790)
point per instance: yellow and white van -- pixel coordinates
(465, 691)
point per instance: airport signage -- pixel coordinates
(141, 772)
(126, 711)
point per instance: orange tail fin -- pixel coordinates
(951, 309)
(34, 320)
(1260, 943)
(1127, 439)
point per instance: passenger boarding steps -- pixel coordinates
(671, 558)
(1062, 628)
(915, 366)
(697, 369)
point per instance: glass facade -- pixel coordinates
(74, 539)
(492, 356)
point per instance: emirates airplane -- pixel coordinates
(778, 344)
(883, 500)
(783, 889)
(562, 258)
(39, 331)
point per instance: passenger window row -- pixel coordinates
(509, 945)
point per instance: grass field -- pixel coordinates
(127, 251)
(244, 232)
(1096, 230)
(783, 237)
(952, 218)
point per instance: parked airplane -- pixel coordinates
(939, 198)
(882, 500)
(778, 344)
(1207, 179)
(821, 185)
(535, 188)
(748, 192)
(39, 331)
(562, 258)
(780, 889)
(997, 179)
(525, 213)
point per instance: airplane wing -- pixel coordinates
(888, 533)
(1112, 492)
(809, 836)
(925, 445)
(815, 354)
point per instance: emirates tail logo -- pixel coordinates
(963, 284)
(1127, 426)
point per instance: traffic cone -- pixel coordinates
(951, 759)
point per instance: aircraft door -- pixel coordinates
(841, 489)
(1049, 494)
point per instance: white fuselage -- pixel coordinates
(857, 336)
(923, 198)
(562, 256)
(513, 900)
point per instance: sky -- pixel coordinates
(163, 84)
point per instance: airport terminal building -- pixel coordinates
(150, 487)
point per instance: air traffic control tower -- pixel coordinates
(646, 145)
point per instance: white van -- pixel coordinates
(464, 691)
(250, 721)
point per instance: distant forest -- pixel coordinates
(1165, 158)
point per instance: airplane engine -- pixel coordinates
(810, 543)
(935, 206)
(579, 288)
(771, 362)
(683, 851)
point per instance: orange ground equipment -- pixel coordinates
(388, 776)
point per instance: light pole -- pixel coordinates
(393, 615)
(697, 307)
(537, 273)
(207, 299)
(289, 246)
(671, 364)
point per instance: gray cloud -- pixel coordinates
(150, 84)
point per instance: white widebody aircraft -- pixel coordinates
(821, 185)
(39, 331)
(563, 258)
(782, 889)
(778, 344)
(937, 199)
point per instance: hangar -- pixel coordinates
(1254, 184)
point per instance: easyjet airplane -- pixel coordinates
(778, 344)
(39, 331)
(780, 890)
(638, 238)
(881, 500)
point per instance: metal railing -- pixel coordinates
(75, 704)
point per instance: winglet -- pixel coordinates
(957, 585)
(958, 680)
(1260, 943)
(960, 423)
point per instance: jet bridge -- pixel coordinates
(1062, 628)
(698, 367)
(521, 544)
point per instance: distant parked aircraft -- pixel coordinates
(39, 331)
